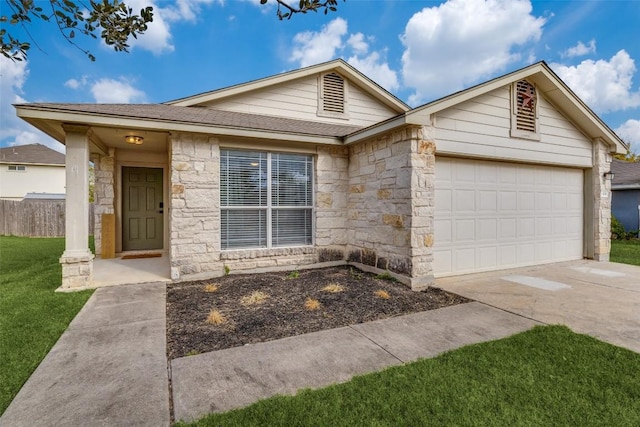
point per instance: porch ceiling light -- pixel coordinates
(134, 139)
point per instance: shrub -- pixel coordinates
(617, 229)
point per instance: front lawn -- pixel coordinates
(625, 251)
(32, 315)
(545, 376)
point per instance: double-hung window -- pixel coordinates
(266, 199)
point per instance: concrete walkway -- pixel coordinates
(236, 377)
(108, 369)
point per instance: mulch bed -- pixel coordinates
(255, 308)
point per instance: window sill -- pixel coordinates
(233, 254)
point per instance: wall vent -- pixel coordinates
(333, 94)
(526, 101)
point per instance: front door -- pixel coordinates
(142, 209)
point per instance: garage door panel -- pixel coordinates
(465, 230)
(508, 229)
(488, 257)
(543, 202)
(494, 215)
(526, 201)
(465, 259)
(487, 229)
(465, 201)
(443, 199)
(487, 201)
(508, 201)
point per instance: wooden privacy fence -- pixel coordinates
(35, 218)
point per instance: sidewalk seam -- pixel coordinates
(377, 345)
(512, 312)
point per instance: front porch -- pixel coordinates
(118, 271)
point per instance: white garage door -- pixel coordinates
(493, 215)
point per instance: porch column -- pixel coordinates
(77, 259)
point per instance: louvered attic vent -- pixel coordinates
(526, 106)
(333, 93)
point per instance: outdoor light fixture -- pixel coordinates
(134, 139)
(609, 175)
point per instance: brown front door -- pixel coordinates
(142, 209)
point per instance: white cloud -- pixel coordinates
(376, 70)
(580, 49)
(358, 44)
(186, 10)
(604, 85)
(158, 38)
(15, 131)
(462, 42)
(312, 48)
(316, 47)
(630, 133)
(110, 91)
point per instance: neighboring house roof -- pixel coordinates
(31, 154)
(200, 116)
(45, 196)
(627, 175)
(547, 83)
(338, 65)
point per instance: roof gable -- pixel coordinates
(548, 84)
(31, 154)
(341, 67)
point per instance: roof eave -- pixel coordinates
(42, 118)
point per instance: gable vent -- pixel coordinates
(333, 93)
(526, 106)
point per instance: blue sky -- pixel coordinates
(418, 50)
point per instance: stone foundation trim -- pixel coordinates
(232, 255)
(415, 283)
(77, 272)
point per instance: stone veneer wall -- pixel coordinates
(194, 224)
(332, 185)
(602, 202)
(103, 192)
(390, 204)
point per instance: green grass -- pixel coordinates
(32, 315)
(545, 376)
(625, 251)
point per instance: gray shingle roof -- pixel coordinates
(31, 153)
(625, 172)
(204, 116)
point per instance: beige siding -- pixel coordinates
(481, 128)
(34, 179)
(298, 99)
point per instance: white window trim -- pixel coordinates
(518, 133)
(16, 168)
(321, 112)
(269, 207)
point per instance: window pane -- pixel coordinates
(291, 180)
(291, 227)
(243, 178)
(244, 228)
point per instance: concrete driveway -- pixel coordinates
(601, 299)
